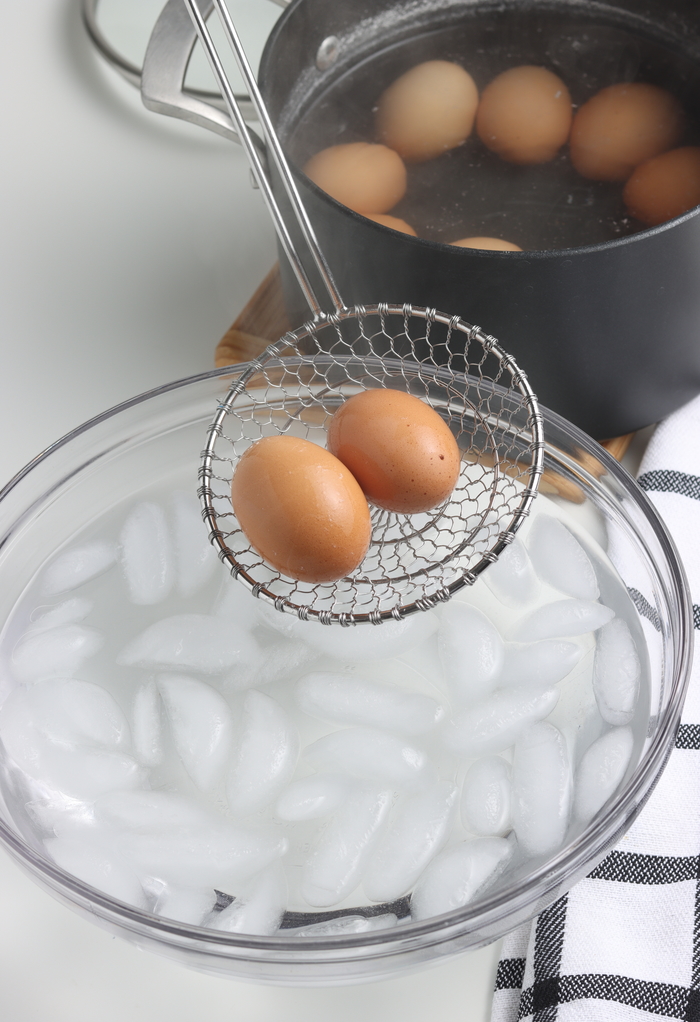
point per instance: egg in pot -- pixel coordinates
(399, 449)
(301, 509)
(524, 115)
(367, 178)
(622, 126)
(488, 244)
(428, 110)
(395, 222)
(664, 187)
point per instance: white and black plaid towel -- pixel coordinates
(624, 944)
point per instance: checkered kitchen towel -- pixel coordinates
(624, 944)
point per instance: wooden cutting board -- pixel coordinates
(264, 319)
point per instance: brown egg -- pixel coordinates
(301, 509)
(401, 452)
(367, 178)
(664, 187)
(525, 115)
(428, 110)
(491, 244)
(395, 222)
(621, 127)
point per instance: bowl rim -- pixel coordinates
(593, 841)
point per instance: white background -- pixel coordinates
(128, 244)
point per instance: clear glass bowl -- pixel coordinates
(145, 440)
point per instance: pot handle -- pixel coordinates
(162, 77)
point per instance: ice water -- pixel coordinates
(184, 748)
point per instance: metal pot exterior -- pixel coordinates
(609, 335)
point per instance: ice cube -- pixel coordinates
(471, 652)
(54, 652)
(344, 925)
(540, 664)
(457, 875)
(486, 797)
(183, 842)
(344, 699)
(89, 773)
(576, 714)
(68, 712)
(186, 904)
(237, 605)
(46, 730)
(511, 578)
(77, 566)
(146, 554)
(560, 619)
(541, 789)
(67, 613)
(494, 725)
(201, 726)
(195, 557)
(78, 772)
(147, 725)
(371, 755)
(22, 740)
(580, 728)
(164, 835)
(279, 659)
(58, 814)
(258, 908)
(616, 673)
(337, 862)
(150, 811)
(361, 642)
(419, 828)
(560, 560)
(282, 660)
(601, 770)
(214, 856)
(194, 642)
(265, 757)
(309, 798)
(95, 863)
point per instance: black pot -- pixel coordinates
(607, 331)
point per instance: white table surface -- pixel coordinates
(128, 245)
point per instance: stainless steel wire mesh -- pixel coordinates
(414, 561)
(298, 383)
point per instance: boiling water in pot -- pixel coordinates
(470, 191)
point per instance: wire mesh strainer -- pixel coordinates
(414, 561)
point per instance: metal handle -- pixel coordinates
(164, 68)
(262, 155)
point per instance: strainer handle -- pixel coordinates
(272, 149)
